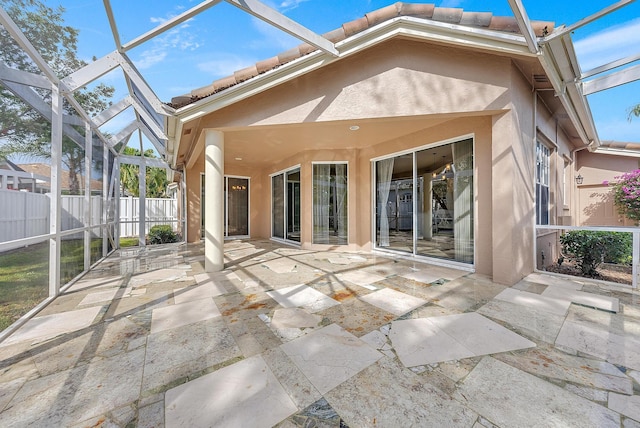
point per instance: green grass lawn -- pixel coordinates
(128, 242)
(24, 275)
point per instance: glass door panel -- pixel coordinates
(237, 206)
(277, 206)
(446, 213)
(394, 203)
(293, 205)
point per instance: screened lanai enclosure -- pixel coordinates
(61, 209)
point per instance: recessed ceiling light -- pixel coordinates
(354, 128)
(238, 158)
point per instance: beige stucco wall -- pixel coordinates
(594, 201)
(470, 93)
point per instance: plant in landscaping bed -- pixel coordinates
(162, 234)
(626, 194)
(590, 248)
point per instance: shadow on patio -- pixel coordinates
(292, 337)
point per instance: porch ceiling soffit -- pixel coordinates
(266, 144)
(409, 27)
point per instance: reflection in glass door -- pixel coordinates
(285, 205)
(236, 206)
(424, 202)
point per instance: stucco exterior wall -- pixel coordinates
(394, 79)
(595, 205)
(468, 93)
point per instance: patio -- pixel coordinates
(290, 337)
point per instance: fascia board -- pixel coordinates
(617, 152)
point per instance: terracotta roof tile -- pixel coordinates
(348, 29)
(267, 64)
(449, 15)
(383, 14)
(418, 10)
(476, 19)
(353, 27)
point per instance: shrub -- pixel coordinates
(626, 194)
(162, 234)
(589, 248)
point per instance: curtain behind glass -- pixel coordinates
(384, 172)
(277, 208)
(321, 198)
(340, 221)
(463, 200)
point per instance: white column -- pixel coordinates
(142, 193)
(88, 153)
(214, 202)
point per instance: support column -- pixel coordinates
(142, 193)
(88, 153)
(214, 202)
(56, 182)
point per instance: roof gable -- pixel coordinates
(481, 20)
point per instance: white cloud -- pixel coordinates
(608, 45)
(287, 5)
(177, 39)
(225, 64)
(271, 37)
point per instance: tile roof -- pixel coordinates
(44, 169)
(447, 15)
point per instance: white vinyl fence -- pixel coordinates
(157, 211)
(26, 214)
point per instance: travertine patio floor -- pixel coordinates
(297, 338)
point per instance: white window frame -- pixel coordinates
(542, 179)
(283, 172)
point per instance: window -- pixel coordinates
(542, 184)
(330, 204)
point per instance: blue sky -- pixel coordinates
(224, 39)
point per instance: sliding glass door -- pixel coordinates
(424, 202)
(285, 205)
(236, 206)
(330, 203)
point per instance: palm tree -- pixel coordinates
(634, 111)
(155, 178)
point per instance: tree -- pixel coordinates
(634, 111)
(23, 131)
(155, 178)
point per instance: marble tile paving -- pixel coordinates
(297, 338)
(302, 296)
(452, 337)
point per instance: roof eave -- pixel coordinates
(561, 66)
(434, 31)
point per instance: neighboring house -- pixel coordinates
(436, 133)
(12, 177)
(44, 170)
(594, 200)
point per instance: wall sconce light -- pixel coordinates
(579, 179)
